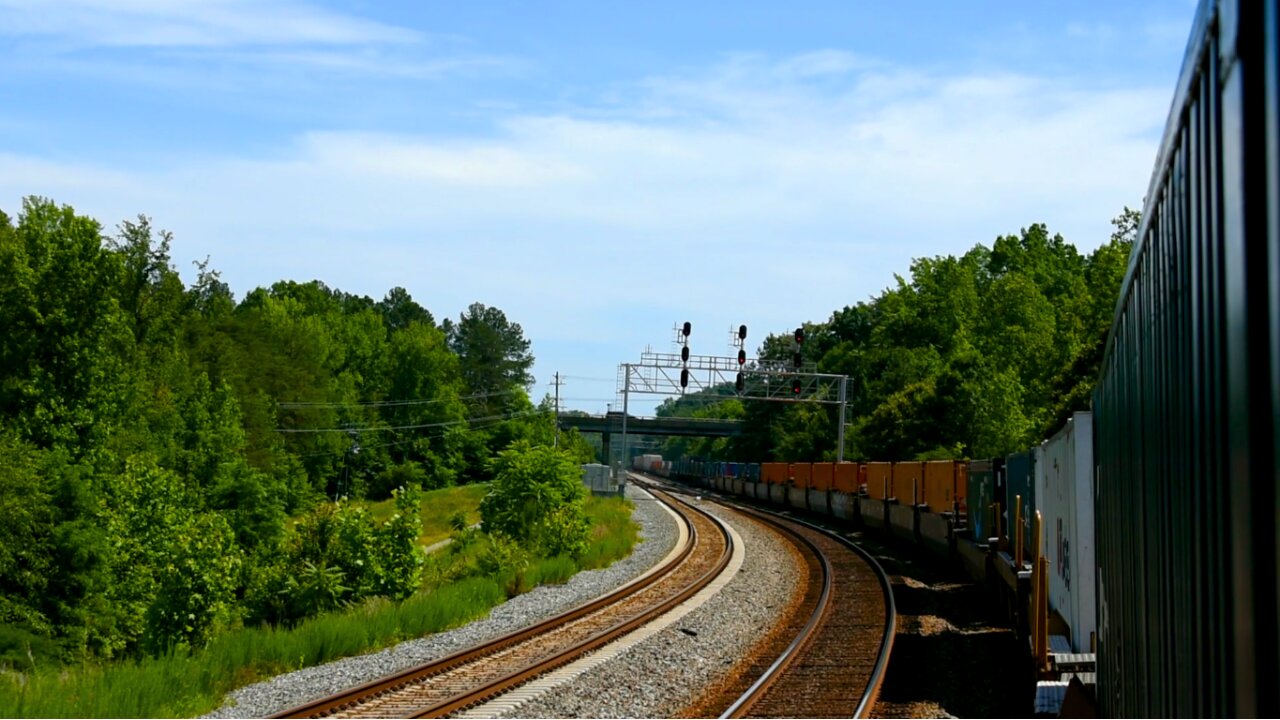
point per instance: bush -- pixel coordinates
(537, 500)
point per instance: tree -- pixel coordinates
(494, 356)
(537, 499)
(399, 310)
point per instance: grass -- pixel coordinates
(187, 683)
(437, 507)
(183, 683)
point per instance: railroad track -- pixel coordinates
(477, 674)
(838, 650)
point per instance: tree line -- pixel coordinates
(967, 357)
(169, 456)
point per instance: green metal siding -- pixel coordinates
(1186, 405)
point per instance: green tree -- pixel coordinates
(537, 499)
(494, 357)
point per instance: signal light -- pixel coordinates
(742, 332)
(684, 353)
(795, 387)
(740, 383)
(684, 378)
(799, 336)
(742, 357)
(686, 329)
(797, 359)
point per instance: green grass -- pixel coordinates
(191, 683)
(437, 507)
(184, 684)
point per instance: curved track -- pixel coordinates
(835, 662)
(487, 670)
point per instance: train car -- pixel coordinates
(798, 490)
(874, 509)
(821, 477)
(1066, 506)
(938, 512)
(1020, 471)
(986, 499)
(908, 491)
(1187, 405)
(844, 489)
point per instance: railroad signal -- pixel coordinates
(742, 332)
(797, 358)
(684, 378)
(686, 329)
(684, 353)
(799, 336)
(795, 387)
(740, 384)
(742, 357)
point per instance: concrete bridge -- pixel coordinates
(611, 423)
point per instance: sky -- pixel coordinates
(598, 171)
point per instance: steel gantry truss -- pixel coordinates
(660, 374)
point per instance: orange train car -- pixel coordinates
(879, 480)
(801, 473)
(774, 473)
(822, 477)
(908, 482)
(846, 477)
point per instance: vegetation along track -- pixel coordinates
(839, 649)
(477, 674)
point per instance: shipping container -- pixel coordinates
(774, 473)
(821, 477)
(986, 488)
(1066, 506)
(908, 482)
(800, 474)
(845, 478)
(1187, 405)
(879, 480)
(1020, 482)
(940, 485)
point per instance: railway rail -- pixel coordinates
(839, 649)
(479, 673)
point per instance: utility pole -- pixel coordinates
(557, 384)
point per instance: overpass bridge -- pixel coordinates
(609, 423)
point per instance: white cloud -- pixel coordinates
(192, 23)
(766, 193)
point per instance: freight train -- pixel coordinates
(1020, 525)
(1178, 481)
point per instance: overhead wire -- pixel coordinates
(422, 426)
(297, 405)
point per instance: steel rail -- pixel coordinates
(876, 680)
(518, 677)
(353, 697)
(743, 704)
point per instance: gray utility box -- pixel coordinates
(599, 480)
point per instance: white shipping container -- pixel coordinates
(1064, 479)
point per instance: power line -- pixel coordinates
(411, 427)
(391, 444)
(389, 403)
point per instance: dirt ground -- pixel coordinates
(952, 655)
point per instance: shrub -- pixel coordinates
(536, 499)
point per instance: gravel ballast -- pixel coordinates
(658, 532)
(670, 671)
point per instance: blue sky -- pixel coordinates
(599, 171)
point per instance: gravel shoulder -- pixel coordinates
(670, 672)
(658, 534)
